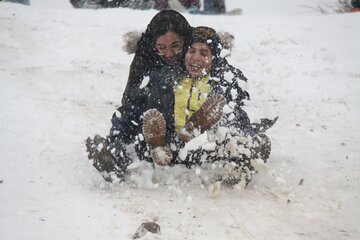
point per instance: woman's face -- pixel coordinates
(198, 59)
(169, 46)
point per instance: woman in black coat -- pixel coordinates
(164, 43)
(151, 55)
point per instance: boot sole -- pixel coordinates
(154, 130)
(213, 108)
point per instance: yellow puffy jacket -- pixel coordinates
(189, 94)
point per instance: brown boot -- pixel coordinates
(103, 160)
(154, 130)
(207, 116)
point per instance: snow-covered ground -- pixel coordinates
(62, 74)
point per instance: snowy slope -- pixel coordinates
(62, 74)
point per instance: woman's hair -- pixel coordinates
(168, 21)
(163, 22)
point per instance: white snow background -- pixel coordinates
(62, 74)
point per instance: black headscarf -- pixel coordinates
(163, 22)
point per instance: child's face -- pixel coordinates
(198, 59)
